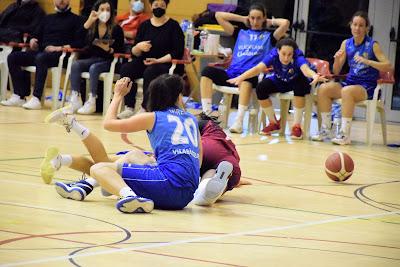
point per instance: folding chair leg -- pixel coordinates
(307, 116)
(55, 86)
(107, 94)
(383, 125)
(284, 113)
(4, 80)
(370, 116)
(225, 115)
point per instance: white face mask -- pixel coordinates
(104, 16)
(138, 6)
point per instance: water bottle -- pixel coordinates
(337, 114)
(203, 40)
(184, 25)
(189, 38)
(222, 113)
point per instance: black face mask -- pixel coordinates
(159, 12)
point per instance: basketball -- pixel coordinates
(339, 166)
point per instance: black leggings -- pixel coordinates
(219, 77)
(300, 87)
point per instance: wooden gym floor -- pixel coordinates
(292, 214)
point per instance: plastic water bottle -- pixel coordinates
(185, 25)
(221, 112)
(189, 38)
(203, 40)
(337, 115)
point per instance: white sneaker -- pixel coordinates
(33, 103)
(75, 101)
(127, 113)
(88, 108)
(323, 134)
(237, 127)
(60, 116)
(341, 139)
(211, 189)
(14, 101)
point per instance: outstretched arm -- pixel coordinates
(260, 67)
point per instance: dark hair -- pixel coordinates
(110, 23)
(259, 7)
(286, 42)
(164, 92)
(203, 119)
(165, 1)
(362, 14)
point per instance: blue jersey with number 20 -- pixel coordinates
(175, 142)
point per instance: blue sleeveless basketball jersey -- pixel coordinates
(285, 73)
(360, 73)
(175, 142)
(250, 48)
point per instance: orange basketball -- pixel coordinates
(339, 166)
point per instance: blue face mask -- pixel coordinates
(138, 7)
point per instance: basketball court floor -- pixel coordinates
(291, 215)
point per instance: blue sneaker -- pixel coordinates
(135, 204)
(75, 191)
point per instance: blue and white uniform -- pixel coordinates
(360, 73)
(250, 48)
(172, 182)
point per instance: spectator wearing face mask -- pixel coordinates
(57, 31)
(104, 37)
(158, 41)
(23, 16)
(131, 20)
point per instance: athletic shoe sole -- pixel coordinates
(209, 193)
(217, 184)
(58, 114)
(75, 193)
(135, 205)
(46, 169)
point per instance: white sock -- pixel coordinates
(298, 115)
(66, 160)
(346, 126)
(206, 103)
(79, 129)
(326, 120)
(92, 181)
(241, 110)
(126, 192)
(269, 111)
(61, 160)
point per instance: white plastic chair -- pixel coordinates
(5, 50)
(228, 92)
(56, 73)
(377, 103)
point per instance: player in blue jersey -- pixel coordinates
(290, 73)
(168, 183)
(251, 46)
(365, 59)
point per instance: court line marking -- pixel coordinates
(205, 238)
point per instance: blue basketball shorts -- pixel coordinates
(148, 181)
